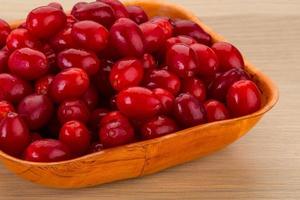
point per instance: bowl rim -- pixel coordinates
(273, 98)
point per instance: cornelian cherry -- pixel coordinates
(5, 108)
(138, 103)
(154, 37)
(28, 63)
(189, 111)
(90, 35)
(73, 110)
(195, 87)
(166, 99)
(216, 111)
(137, 14)
(47, 150)
(165, 23)
(63, 40)
(87, 61)
(157, 127)
(126, 73)
(243, 98)
(37, 110)
(76, 136)
(68, 84)
(118, 7)
(46, 21)
(14, 134)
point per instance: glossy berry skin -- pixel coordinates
(126, 73)
(4, 32)
(28, 64)
(161, 78)
(118, 7)
(63, 40)
(114, 116)
(101, 13)
(208, 62)
(138, 103)
(183, 39)
(154, 37)
(148, 61)
(21, 38)
(219, 87)
(166, 99)
(68, 84)
(189, 28)
(96, 117)
(157, 127)
(87, 61)
(90, 35)
(165, 24)
(4, 54)
(42, 85)
(243, 98)
(115, 131)
(36, 110)
(12, 88)
(91, 98)
(229, 56)
(127, 38)
(182, 60)
(76, 136)
(45, 21)
(188, 110)
(216, 111)
(137, 14)
(14, 135)
(47, 150)
(194, 87)
(73, 110)
(5, 108)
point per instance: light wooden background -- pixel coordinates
(265, 164)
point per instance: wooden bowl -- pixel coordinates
(147, 157)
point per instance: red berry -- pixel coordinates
(28, 63)
(45, 21)
(5, 108)
(56, 5)
(21, 38)
(73, 110)
(94, 11)
(42, 85)
(207, 60)
(165, 24)
(161, 78)
(243, 98)
(115, 130)
(118, 7)
(63, 40)
(127, 38)
(195, 87)
(47, 150)
(14, 135)
(76, 136)
(157, 127)
(3, 60)
(189, 28)
(126, 73)
(37, 110)
(189, 111)
(79, 59)
(148, 62)
(219, 87)
(91, 98)
(90, 35)
(12, 88)
(228, 55)
(182, 60)
(138, 103)
(166, 99)
(153, 35)
(68, 84)
(216, 111)
(183, 39)
(96, 147)
(35, 136)
(96, 117)
(4, 32)
(137, 14)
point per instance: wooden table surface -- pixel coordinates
(265, 164)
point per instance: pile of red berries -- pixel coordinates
(106, 75)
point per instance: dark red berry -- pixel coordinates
(137, 14)
(216, 111)
(4, 55)
(4, 32)
(63, 40)
(195, 87)
(91, 98)
(148, 61)
(153, 35)
(118, 7)
(73, 110)
(35, 136)
(166, 99)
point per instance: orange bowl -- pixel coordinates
(147, 157)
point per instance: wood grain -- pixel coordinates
(263, 165)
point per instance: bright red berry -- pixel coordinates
(195, 87)
(216, 111)
(166, 99)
